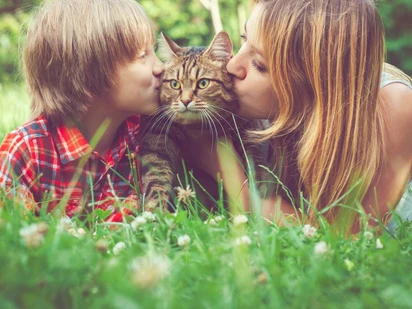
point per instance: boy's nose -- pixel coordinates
(158, 67)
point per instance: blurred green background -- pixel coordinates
(191, 22)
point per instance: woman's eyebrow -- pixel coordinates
(253, 47)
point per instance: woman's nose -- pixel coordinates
(235, 67)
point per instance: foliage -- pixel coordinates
(219, 264)
(13, 106)
(10, 39)
(190, 23)
(396, 17)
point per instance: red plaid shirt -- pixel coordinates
(51, 164)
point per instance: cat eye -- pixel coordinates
(174, 84)
(203, 83)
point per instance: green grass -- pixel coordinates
(52, 266)
(279, 268)
(14, 107)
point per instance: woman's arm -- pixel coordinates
(388, 187)
(224, 162)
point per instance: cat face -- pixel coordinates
(196, 86)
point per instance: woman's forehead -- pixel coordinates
(252, 29)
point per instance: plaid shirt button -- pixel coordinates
(94, 155)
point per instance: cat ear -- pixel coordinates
(221, 47)
(166, 47)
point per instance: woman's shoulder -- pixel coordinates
(398, 98)
(398, 117)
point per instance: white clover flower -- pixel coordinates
(149, 216)
(379, 244)
(33, 235)
(149, 270)
(368, 235)
(349, 264)
(243, 240)
(102, 245)
(138, 222)
(184, 195)
(239, 219)
(65, 223)
(183, 240)
(119, 247)
(309, 231)
(321, 248)
(79, 233)
(211, 222)
(218, 218)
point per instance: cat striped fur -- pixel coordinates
(196, 95)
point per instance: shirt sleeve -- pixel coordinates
(17, 173)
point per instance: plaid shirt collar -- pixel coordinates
(72, 145)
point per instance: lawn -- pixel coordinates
(191, 258)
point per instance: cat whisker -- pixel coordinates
(157, 121)
(217, 120)
(159, 110)
(213, 127)
(208, 122)
(158, 114)
(168, 118)
(220, 108)
(221, 117)
(228, 111)
(169, 126)
(201, 118)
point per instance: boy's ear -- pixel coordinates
(221, 47)
(167, 48)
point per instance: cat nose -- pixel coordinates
(186, 101)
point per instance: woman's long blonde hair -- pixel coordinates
(325, 59)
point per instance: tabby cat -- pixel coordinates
(196, 95)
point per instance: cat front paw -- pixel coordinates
(160, 201)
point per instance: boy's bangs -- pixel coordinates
(135, 31)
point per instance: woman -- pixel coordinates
(339, 132)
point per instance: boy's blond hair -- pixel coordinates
(72, 50)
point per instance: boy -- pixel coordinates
(90, 69)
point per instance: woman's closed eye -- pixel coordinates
(258, 67)
(255, 64)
